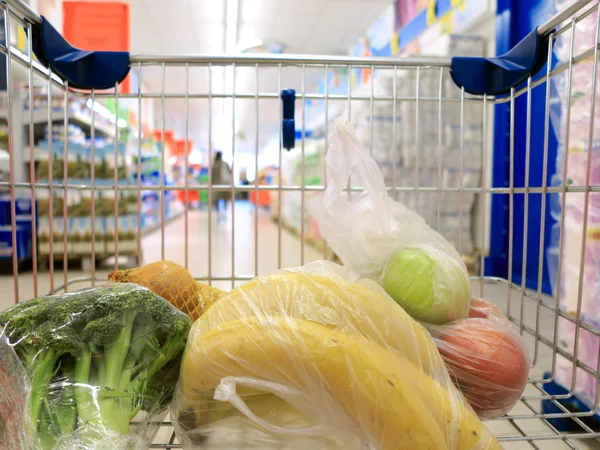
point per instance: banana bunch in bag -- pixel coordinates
(306, 358)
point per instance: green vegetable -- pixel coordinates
(429, 284)
(96, 357)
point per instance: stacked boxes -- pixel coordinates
(77, 226)
(435, 150)
(578, 158)
(23, 211)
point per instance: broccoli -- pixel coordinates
(96, 358)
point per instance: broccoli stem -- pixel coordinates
(46, 427)
(141, 339)
(65, 411)
(115, 410)
(83, 390)
(43, 371)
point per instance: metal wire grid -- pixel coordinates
(535, 314)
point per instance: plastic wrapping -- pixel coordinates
(316, 358)
(486, 358)
(99, 368)
(15, 386)
(381, 239)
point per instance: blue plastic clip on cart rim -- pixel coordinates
(82, 69)
(288, 125)
(496, 76)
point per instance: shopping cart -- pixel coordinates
(418, 85)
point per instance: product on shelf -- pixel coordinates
(577, 286)
(148, 160)
(442, 151)
(23, 223)
(313, 167)
(78, 161)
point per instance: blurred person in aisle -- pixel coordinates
(221, 174)
(244, 182)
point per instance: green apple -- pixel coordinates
(429, 284)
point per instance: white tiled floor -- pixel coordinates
(246, 265)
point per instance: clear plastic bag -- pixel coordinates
(99, 368)
(381, 239)
(317, 358)
(486, 358)
(14, 383)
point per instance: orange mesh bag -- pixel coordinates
(167, 279)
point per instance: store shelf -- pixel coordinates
(155, 227)
(40, 118)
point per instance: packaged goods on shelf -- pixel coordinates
(444, 146)
(291, 174)
(79, 232)
(23, 217)
(78, 227)
(79, 161)
(579, 156)
(588, 350)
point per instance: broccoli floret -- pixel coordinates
(113, 348)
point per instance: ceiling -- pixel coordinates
(199, 26)
(304, 26)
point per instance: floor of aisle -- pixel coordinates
(275, 248)
(227, 256)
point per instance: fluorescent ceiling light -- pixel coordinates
(100, 109)
(103, 111)
(196, 157)
(231, 23)
(213, 9)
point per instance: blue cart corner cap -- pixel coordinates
(81, 68)
(496, 76)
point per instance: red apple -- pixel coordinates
(488, 362)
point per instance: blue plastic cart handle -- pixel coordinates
(82, 69)
(496, 76)
(288, 126)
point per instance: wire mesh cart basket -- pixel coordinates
(436, 154)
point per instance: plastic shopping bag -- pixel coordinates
(381, 239)
(486, 358)
(99, 367)
(317, 358)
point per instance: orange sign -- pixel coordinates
(180, 147)
(102, 26)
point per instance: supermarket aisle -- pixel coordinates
(242, 252)
(224, 251)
